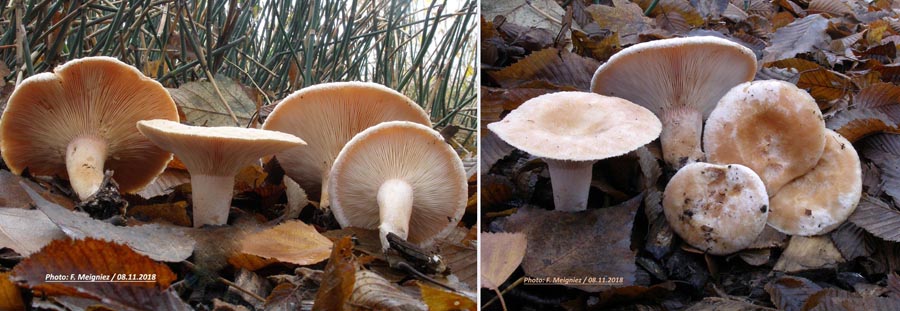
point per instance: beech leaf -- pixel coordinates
(292, 241)
(501, 254)
(800, 36)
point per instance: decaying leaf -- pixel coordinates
(160, 242)
(441, 300)
(375, 293)
(716, 304)
(292, 241)
(462, 259)
(808, 253)
(538, 13)
(26, 231)
(850, 240)
(801, 36)
(501, 254)
(252, 282)
(789, 293)
(10, 296)
(11, 195)
(824, 85)
(340, 276)
(596, 242)
(201, 104)
(83, 259)
(174, 213)
(832, 7)
(875, 109)
(557, 67)
(624, 18)
(288, 296)
(165, 182)
(877, 218)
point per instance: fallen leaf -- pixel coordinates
(716, 303)
(174, 213)
(833, 7)
(801, 36)
(682, 8)
(808, 253)
(877, 218)
(296, 198)
(340, 276)
(10, 295)
(856, 303)
(558, 67)
(769, 238)
(78, 259)
(165, 183)
(160, 242)
(495, 191)
(529, 38)
(710, 9)
(253, 283)
(624, 18)
(292, 241)
(26, 231)
(755, 257)
(789, 293)
(595, 243)
(544, 14)
(373, 292)
(595, 48)
(290, 297)
(501, 254)
(824, 85)
(850, 240)
(461, 258)
(441, 300)
(203, 106)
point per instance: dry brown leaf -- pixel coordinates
(288, 296)
(441, 300)
(789, 293)
(624, 18)
(824, 85)
(72, 259)
(716, 304)
(252, 282)
(850, 240)
(26, 231)
(596, 48)
(160, 242)
(801, 36)
(596, 242)
(851, 302)
(833, 7)
(374, 292)
(174, 213)
(292, 241)
(495, 190)
(710, 9)
(10, 295)
(201, 104)
(501, 254)
(755, 257)
(462, 259)
(557, 67)
(877, 218)
(165, 183)
(875, 31)
(808, 253)
(527, 14)
(250, 262)
(339, 278)
(681, 7)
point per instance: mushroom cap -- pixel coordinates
(823, 198)
(770, 126)
(678, 72)
(93, 96)
(577, 126)
(327, 116)
(217, 151)
(720, 209)
(406, 151)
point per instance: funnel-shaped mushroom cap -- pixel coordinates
(399, 152)
(95, 100)
(220, 151)
(720, 209)
(577, 126)
(327, 116)
(823, 198)
(770, 126)
(680, 80)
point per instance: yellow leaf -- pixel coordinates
(292, 241)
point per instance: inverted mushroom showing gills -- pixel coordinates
(327, 116)
(822, 199)
(680, 80)
(719, 209)
(402, 178)
(213, 155)
(772, 127)
(79, 120)
(571, 131)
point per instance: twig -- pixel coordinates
(500, 296)
(222, 280)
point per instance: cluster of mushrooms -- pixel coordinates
(766, 154)
(370, 149)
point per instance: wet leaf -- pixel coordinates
(877, 218)
(26, 231)
(801, 36)
(808, 253)
(500, 256)
(374, 292)
(292, 241)
(441, 300)
(596, 242)
(90, 257)
(559, 68)
(10, 295)
(338, 281)
(201, 104)
(789, 293)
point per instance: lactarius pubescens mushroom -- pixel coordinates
(680, 80)
(719, 209)
(772, 127)
(79, 120)
(824, 197)
(571, 131)
(213, 155)
(399, 177)
(327, 116)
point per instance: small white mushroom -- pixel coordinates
(719, 209)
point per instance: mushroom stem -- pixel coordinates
(324, 204)
(680, 137)
(85, 156)
(395, 202)
(211, 197)
(571, 182)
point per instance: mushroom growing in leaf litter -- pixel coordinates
(213, 156)
(327, 116)
(719, 209)
(402, 178)
(680, 80)
(571, 131)
(771, 126)
(823, 198)
(78, 121)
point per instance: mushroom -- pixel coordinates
(680, 80)
(770, 126)
(78, 121)
(571, 131)
(823, 198)
(213, 155)
(720, 209)
(327, 116)
(402, 178)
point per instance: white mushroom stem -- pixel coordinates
(85, 156)
(395, 202)
(680, 137)
(211, 197)
(571, 182)
(323, 199)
